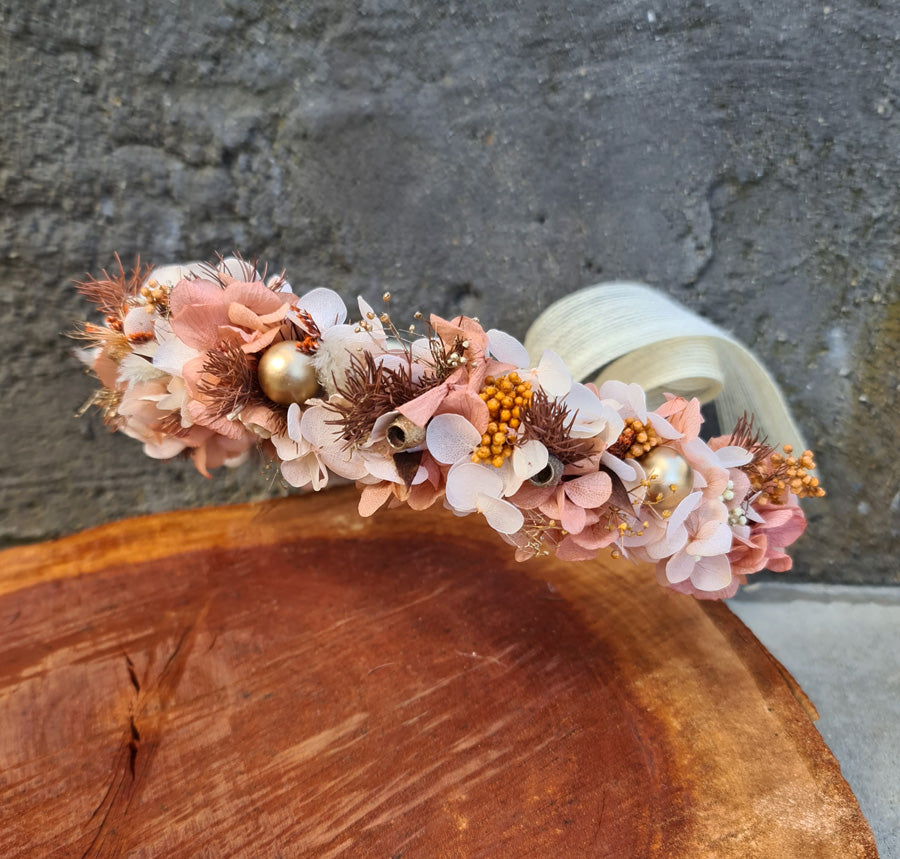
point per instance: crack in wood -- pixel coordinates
(150, 710)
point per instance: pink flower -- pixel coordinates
(763, 547)
(701, 567)
(458, 393)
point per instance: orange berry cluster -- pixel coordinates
(156, 297)
(788, 473)
(506, 398)
(641, 438)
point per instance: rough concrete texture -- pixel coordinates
(842, 645)
(484, 157)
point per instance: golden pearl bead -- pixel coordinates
(286, 374)
(670, 477)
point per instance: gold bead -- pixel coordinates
(286, 374)
(671, 477)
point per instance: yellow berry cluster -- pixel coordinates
(506, 397)
(640, 437)
(788, 472)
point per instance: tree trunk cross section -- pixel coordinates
(288, 679)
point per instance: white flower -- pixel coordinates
(300, 462)
(451, 438)
(631, 401)
(477, 488)
(506, 349)
(317, 427)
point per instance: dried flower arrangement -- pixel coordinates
(213, 360)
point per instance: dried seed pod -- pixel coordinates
(550, 474)
(403, 434)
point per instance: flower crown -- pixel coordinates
(213, 360)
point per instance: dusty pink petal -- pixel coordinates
(740, 485)
(672, 540)
(679, 567)
(199, 292)
(569, 550)
(256, 296)
(687, 587)
(467, 404)
(261, 341)
(423, 495)
(712, 574)
(165, 448)
(529, 496)
(712, 538)
(244, 317)
(683, 415)
(779, 563)
(198, 325)
(262, 417)
(373, 497)
(573, 518)
(199, 414)
(594, 537)
(592, 490)
(783, 525)
(422, 408)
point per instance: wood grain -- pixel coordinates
(287, 679)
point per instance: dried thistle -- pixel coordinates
(229, 383)
(370, 390)
(745, 435)
(550, 422)
(112, 293)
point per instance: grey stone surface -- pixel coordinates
(487, 157)
(842, 644)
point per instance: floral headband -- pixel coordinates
(211, 361)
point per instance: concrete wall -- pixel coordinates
(487, 157)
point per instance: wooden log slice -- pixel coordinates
(288, 679)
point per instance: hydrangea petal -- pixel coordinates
(679, 567)
(501, 515)
(504, 347)
(592, 490)
(553, 375)
(529, 458)
(325, 306)
(713, 538)
(467, 480)
(450, 438)
(733, 456)
(712, 574)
